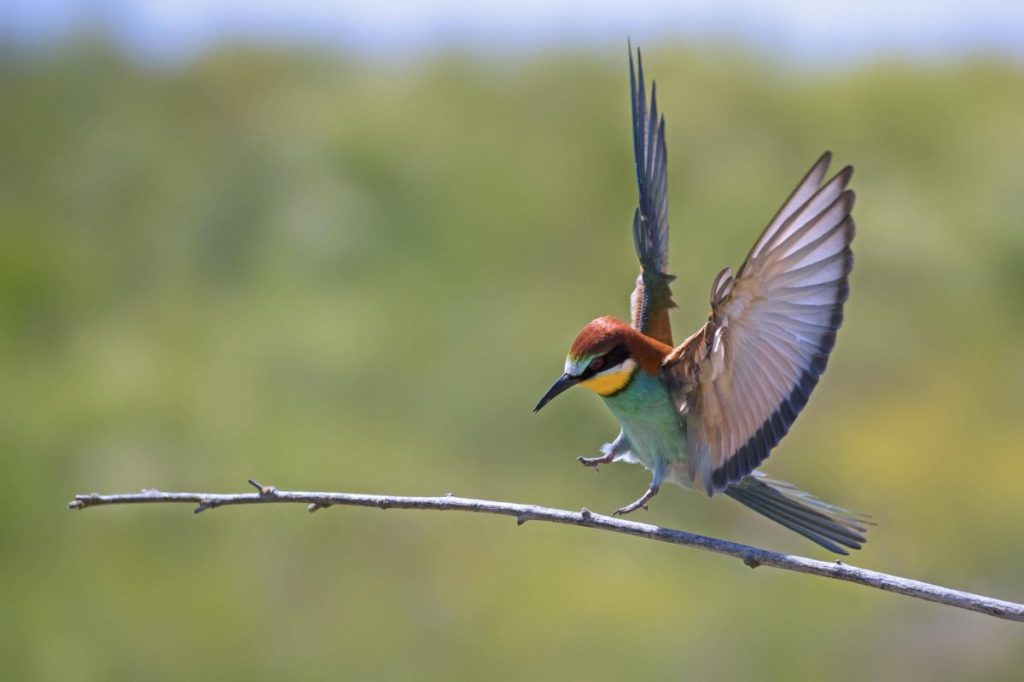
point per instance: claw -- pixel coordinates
(642, 502)
(595, 461)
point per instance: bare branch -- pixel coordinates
(751, 556)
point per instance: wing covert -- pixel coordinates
(652, 297)
(743, 378)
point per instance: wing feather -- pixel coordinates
(652, 297)
(807, 187)
(742, 381)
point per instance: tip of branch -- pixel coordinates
(83, 501)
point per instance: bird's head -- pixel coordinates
(601, 358)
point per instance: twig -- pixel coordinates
(751, 556)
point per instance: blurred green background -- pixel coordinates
(346, 274)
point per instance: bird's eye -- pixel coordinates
(596, 365)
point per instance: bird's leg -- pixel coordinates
(656, 479)
(642, 502)
(596, 461)
(609, 451)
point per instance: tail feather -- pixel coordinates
(831, 527)
(812, 519)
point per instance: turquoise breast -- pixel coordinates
(648, 416)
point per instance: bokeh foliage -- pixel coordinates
(333, 274)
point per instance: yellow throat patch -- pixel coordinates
(613, 382)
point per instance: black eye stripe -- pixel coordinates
(614, 357)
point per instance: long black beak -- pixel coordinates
(564, 383)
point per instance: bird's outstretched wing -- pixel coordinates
(741, 380)
(652, 298)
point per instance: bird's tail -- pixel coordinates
(831, 527)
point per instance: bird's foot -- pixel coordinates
(596, 461)
(642, 502)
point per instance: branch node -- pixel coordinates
(524, 516)
(751, 561)
(316, 506)
(204, 505)
(264, 490)
(585, 514)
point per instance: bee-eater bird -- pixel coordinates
(706, 413)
